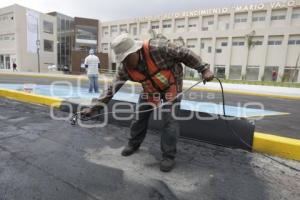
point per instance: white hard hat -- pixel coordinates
(123, 45)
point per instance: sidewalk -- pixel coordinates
(259, 89)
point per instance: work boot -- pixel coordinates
(167, 164)
(129, 150)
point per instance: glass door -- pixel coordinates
(1, 61)
(7, 62)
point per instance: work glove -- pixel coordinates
(94, 109)
(207, 75)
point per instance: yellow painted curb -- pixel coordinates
(31, 98)
(276, 145)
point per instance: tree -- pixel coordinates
(295, 69)
(250, 44)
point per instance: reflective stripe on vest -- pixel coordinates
(155, 80)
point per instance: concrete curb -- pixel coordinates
(31, 98)
(276, 145)
(265, 143)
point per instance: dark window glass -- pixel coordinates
(48, 45)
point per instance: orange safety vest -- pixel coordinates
(155, 81)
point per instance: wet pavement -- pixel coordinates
(42, 158)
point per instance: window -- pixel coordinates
(123, 29)
(105, 31)
(294, 42)
(258, 19)
(48, 27)
(7, 37)
(278, 17)
(180, 24)
(235, 72)
(204, 28)
(134, 30)
(296, 13)
(219, 50)
(155, 26)
(191, 46)
(290, 74)
(219, 71)
(114, 29)
(167, 26)
(258, 43)
(274, 42)
(104, 47)
(296, 16)
(209, 49)
(210, 22)
(224, 44)
(227, 26)
(7, 17)
(252, 73)
(192, 25)
(48, 45)
(202, 45)
(240, 20)
(1, 61)
(235, 43)
(86, 33)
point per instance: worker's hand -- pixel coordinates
(96, 106)
(87, 112)
(207, 75)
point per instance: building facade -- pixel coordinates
(27, 38)
(75, 37)
(65, 40)
(244, 42)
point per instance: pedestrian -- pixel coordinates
(274, 75)
(14, 66)
(92, 64)
(157, 65)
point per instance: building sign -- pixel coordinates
(225, 10)
(32, 18)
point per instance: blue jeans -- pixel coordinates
(93, 83)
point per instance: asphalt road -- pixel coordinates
(281, 125)
(42, 158)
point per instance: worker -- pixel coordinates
(157, 65)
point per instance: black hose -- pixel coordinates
(241, 140)
(231, 130)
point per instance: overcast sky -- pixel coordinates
(107, 10)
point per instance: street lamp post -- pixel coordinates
(38, 53)
(38, 44)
